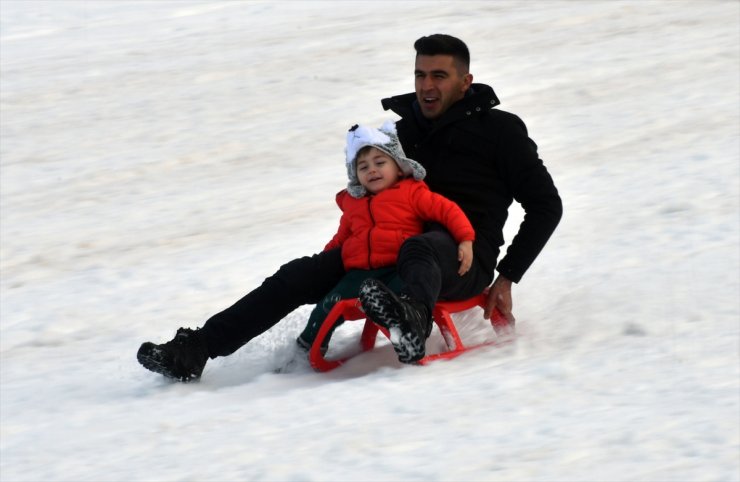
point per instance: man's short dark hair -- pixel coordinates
(442, 44)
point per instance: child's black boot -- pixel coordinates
(407, 320)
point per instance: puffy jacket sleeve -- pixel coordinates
(435, 207)
(344, 225)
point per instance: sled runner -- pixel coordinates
(349, 309)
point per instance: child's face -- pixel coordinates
(377, 171)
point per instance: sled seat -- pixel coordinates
(349, 309)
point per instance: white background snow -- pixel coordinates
(159, 159)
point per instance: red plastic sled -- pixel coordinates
(349, 309)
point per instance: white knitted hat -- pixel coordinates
(385, 139)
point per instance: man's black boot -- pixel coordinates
(406, 320)
(182, 358)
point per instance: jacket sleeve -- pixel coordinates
(344, 230)
(532, 187)
(431, 206)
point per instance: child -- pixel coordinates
(385, 203)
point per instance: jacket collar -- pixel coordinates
(479, 98)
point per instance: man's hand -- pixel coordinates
(465, 256)
(499, 296)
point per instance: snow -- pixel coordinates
(159, 159)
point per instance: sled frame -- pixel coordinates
(350, 309)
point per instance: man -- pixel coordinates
(478, 156)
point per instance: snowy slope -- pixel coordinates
(159, 159)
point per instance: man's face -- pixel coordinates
(439, 84)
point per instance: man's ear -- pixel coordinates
(467, 81)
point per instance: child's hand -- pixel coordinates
(465, 256)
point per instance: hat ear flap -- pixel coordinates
(356, 190)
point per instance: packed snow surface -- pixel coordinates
(159, 159)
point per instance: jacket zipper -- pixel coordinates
(369, 233)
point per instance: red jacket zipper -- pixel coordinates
(369, 233)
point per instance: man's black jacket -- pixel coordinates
(482, 158)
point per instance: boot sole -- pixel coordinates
(381, 305)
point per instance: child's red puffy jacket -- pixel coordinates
(373, 228)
